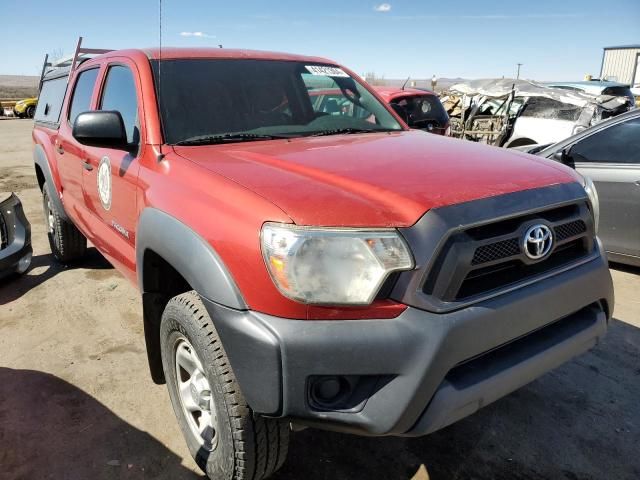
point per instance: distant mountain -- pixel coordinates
(18, 86)
(443, 83)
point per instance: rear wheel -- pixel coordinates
(31, 111)
(65, 240)
(225, 437)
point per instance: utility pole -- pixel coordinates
(519, 65)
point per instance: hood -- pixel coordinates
(373, 179)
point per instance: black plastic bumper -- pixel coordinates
(421, 371)
(15, 237)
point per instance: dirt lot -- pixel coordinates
(76, 401)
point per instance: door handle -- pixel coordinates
(637, 182)
(59, 149)
(86, 165)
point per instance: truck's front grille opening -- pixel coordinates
(487, 258)
(496, 251)
(503, 274)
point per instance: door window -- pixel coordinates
(81, 101)
(119, 94)
(619, 143)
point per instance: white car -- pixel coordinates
(513, 113)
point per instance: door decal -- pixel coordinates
(104, 182)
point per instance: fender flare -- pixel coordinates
(189, 254)
(40, 159)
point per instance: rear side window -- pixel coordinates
(82, 92)
(618, 91)
(617, 144)
(50, 100)
(542, 107)
(120, 94)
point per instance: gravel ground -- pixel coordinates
(76, 401)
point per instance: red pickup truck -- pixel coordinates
(301, 266)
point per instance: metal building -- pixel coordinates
(621, 64)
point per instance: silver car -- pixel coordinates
(609, 154)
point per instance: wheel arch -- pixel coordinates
(520, 142)
(173, 259)
(46, 173)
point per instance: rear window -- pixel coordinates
(423, 110)
(542, 107)
(50, 100)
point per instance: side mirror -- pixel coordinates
(401, 112)
(564, 156)
(101, 128)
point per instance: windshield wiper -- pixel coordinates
(340, 131)
(227, 137)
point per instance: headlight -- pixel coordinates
(592, 193)
(332, 266)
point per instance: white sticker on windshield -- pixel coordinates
(326, 71)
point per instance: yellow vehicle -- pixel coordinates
(25, 108)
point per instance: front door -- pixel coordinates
(611, 158)
(109, 182)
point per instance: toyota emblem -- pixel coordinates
(537, 242)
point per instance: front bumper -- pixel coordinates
(421, 371)
(15, 237)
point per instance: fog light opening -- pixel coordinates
(330, 391)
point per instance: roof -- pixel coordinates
(591, 83)
(623, 47)
(175, 53)
(389, 93)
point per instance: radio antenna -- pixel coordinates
(405, 83)
(160, 155)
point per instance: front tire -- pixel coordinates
(65, 240)
(225, 437)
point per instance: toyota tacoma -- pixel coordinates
(331, 269)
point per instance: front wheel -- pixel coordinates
(225, 437)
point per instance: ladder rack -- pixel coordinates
(72, 62)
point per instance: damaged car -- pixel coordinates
(15, 237)
(513, 113)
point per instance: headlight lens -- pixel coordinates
(332, 266)
(592, 193)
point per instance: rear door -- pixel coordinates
(109, 184)
(611, 158)
(70, 153)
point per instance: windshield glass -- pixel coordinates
(247, 100)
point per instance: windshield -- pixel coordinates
(214, 100)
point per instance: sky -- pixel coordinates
(555, 40)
